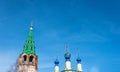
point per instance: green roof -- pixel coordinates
(29, 47)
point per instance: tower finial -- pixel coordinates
(66, 46)
(78, 58)
(56, 54)
(67, 55)
(77, 51)
(31, 26)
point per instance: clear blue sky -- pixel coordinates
(91, 25)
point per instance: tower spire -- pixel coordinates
(29, 47)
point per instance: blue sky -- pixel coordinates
(93, 26)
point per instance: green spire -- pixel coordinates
(29, 47)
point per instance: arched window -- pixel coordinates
(31, 60)
(24, 58)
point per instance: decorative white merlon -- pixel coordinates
(68, 65)
(79, 67)
(56, 69)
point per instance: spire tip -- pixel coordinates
(31, 26)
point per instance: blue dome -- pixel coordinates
(78, 60)
(56, 62)
(67, 56)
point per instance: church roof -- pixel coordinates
(29, 47)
